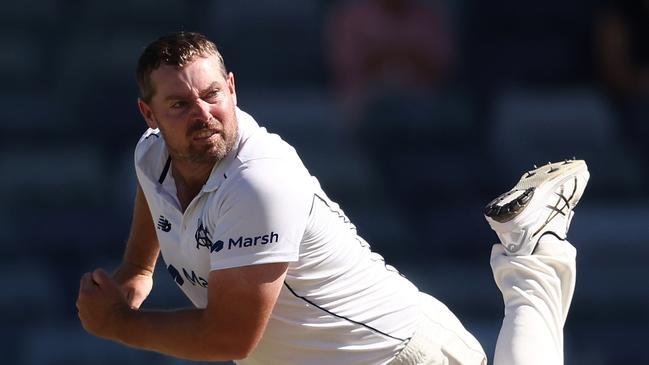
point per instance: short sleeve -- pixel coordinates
(262, 215)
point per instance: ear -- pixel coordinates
(147, 113)
(231, 87)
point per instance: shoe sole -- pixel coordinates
(535, 188)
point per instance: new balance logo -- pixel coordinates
(164, 224)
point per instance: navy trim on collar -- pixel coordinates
(165, 170)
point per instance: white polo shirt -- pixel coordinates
(340, 303)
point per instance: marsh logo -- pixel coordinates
(192, 278)
(242, 241)
(204, 239)
(216, 246)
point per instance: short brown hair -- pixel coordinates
(173, 49)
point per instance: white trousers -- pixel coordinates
(537, 291)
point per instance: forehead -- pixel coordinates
(196, 76)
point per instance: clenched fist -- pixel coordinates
(101, 304)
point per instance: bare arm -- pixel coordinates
(135, 274)
(240, 301)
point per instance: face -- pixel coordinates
(194, 108)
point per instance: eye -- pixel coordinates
(211, 96)
(179, 104)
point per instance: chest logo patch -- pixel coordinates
(203, 236)
(204, 239)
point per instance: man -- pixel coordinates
(275, 269)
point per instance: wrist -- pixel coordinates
(120, 320)
(133, 268)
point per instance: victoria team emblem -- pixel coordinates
(204, 239)
(203, 236)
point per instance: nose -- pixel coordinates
(201, 110)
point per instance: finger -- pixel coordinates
(106, 283)
(86, 282)
(100, 277)
(85, 286)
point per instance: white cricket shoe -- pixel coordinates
(540, 204)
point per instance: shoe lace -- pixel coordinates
(555, 209)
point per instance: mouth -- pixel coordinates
(205, 135)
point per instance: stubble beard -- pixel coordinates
(214, 153)
(210, 154)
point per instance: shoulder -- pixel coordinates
(264, 160)
(265, 181)
(267, 173)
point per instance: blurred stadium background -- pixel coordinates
(513, 84)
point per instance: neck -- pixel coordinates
(191, 174)
(190, 178)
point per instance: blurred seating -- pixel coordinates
(159, 15)
(268, 43)
(23, 60)
(56, 195)
(414, 184)
(228, 17)
(31, 294)
(430, 159)
(68, 176)
(422, 143)
(36, 15)
(89, 58)
(536, 126)
(595, 343)
(31, 114)
(605, 223)
(96, 86)
(68, 343)
(512, 43)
